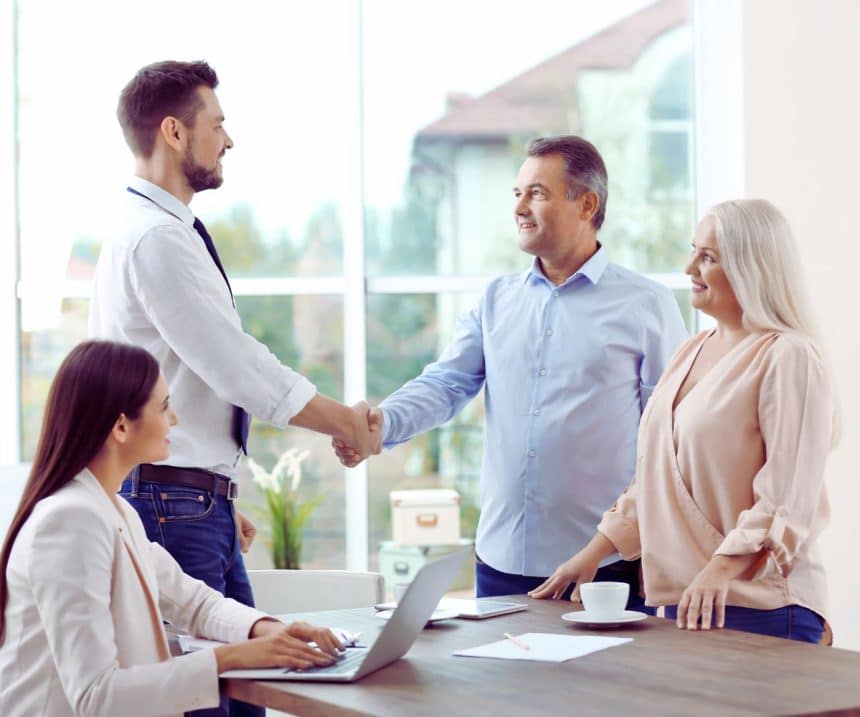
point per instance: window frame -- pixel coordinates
(716, 148)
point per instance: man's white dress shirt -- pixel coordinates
(157, 287)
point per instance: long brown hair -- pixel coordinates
(97, 381)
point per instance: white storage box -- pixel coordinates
(425, 517)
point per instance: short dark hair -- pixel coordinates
(159, 90)
(585, 167)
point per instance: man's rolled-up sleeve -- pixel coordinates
(187, 301)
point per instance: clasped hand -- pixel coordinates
(368, 438)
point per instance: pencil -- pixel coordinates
(517, 641)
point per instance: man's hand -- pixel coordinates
(246, 531)
(351, 454)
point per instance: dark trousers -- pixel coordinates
(198, 529)
(491, 582)
(792, 622)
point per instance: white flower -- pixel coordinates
(289, 466)
(293, 463)
(266, 481)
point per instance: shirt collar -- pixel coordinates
(592, 269)
(163, 199)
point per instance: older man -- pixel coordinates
(568, 353)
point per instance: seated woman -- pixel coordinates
(83, 592)
(728, 498)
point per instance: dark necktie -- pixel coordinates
(241, 418)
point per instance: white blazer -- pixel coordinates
(83, 632)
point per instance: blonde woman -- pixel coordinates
(728, 499)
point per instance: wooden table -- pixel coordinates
(664, 671)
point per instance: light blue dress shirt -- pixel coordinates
(567, 370)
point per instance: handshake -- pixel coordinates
(365, 438)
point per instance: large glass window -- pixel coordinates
(443, 157)
(341, 104)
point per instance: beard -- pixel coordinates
(199, 178)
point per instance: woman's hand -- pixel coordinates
(580, 568)
(322, 636)
(705, 597)
(274, 644)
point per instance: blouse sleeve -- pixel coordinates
(620, 524)
(192, 605)
(795, 410)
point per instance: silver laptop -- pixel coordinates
(400, 632)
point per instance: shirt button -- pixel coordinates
(555, 293)
(532, 454)
(536, 412)
(548, 332)
(542, 372)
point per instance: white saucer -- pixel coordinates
(435, 617)
(581, 617)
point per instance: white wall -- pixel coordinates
(802, 151)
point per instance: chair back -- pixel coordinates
(287, 591)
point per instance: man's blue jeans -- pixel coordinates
(199, 530)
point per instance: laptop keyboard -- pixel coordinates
(349, 662)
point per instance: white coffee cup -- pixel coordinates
(605, 599)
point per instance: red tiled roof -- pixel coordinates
(530, 102)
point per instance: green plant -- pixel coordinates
(286, 514)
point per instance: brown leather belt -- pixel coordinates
(191, 477)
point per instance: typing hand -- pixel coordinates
(246, 531)
(274, 644)
(369, 441)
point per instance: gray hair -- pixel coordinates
(762, 263)
(585, 168)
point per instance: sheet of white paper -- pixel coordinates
(544, 647)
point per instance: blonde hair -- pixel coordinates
(762, 263)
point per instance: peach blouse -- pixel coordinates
(738, 469)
